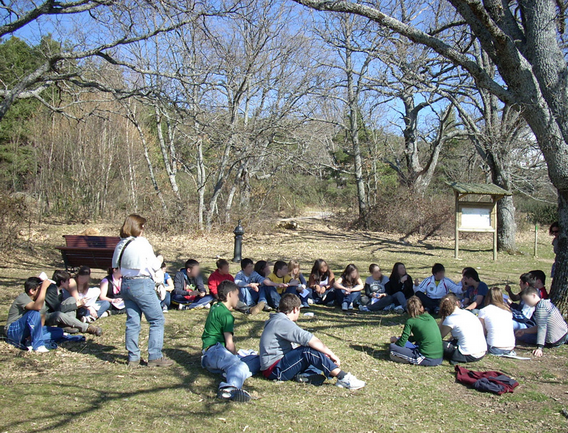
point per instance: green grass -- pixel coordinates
(87, 386)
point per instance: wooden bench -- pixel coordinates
(92, 251)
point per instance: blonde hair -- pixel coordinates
(495, 297)
(133, 226)
(293, 264)
(414, 306)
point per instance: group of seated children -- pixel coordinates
(286, 351)
(484, 321)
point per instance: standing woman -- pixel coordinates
(137, 262)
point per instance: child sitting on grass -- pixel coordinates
(468, 340)
(251, 296)
(348, 287)
(276, 283)
(219, 352)
(497, 321)
(221, 274)
(321, 283)
(376, 291)
(279, 360)
(422, 330)
(551, 330)
(298, 284)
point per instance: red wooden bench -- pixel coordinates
(92, 251)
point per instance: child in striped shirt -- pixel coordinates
(551, 330)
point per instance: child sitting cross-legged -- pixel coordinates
(348, 287)
(298, 284)
(279, 360)
(497, 321)
(219, 352)
(423, 331)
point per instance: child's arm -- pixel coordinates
(316, 344)
(338, 284)
(444, 330)
(405, 335)
(359, 286)
(477, 303)
(38, 303)
(269, 283)
(512, 296)
(229, 343)
(169, 284)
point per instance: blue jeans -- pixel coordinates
(140, 297)
(519, 325)
(251, 297)
(197, 302)
(272, 296)
(304, 299)
(299, 360)
(100, 306)
(167, 300)
(29, 325)
(217, 359)
(496, 351)
(342, 298)
(396, 299)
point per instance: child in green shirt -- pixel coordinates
(219, 352)
(422, 329)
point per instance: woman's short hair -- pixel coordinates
(133, 226)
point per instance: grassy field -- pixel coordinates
(87, 386)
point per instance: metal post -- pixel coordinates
(239, 232)
(536, 240)
(456, 249)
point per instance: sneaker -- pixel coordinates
(84, 319)
(310, 301)
(233, 394)
(350, 306)
(181, 307)
(41, 349)
(207, 306)
(344, 306)
(257, 308)
(363, 308)
(105, 314)
(399, 309)
(266, 308)
(389, 307)
(95, 330)
(160, 362)
(137, 364)
(350, 382)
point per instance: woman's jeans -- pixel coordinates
(140, 297)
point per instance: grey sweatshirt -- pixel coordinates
(277, 338)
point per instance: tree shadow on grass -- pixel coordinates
(103, 352)
(377, 352)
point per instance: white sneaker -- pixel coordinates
(207, 306)
(399, 309)
(363, 308)
(41, 349)
(310, 301)
(105, 314)
(350, 382)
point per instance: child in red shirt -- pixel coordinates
(220, 275)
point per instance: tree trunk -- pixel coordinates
(559, 291)
(352, 97)
(506, 225)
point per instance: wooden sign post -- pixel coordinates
(476, 216)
